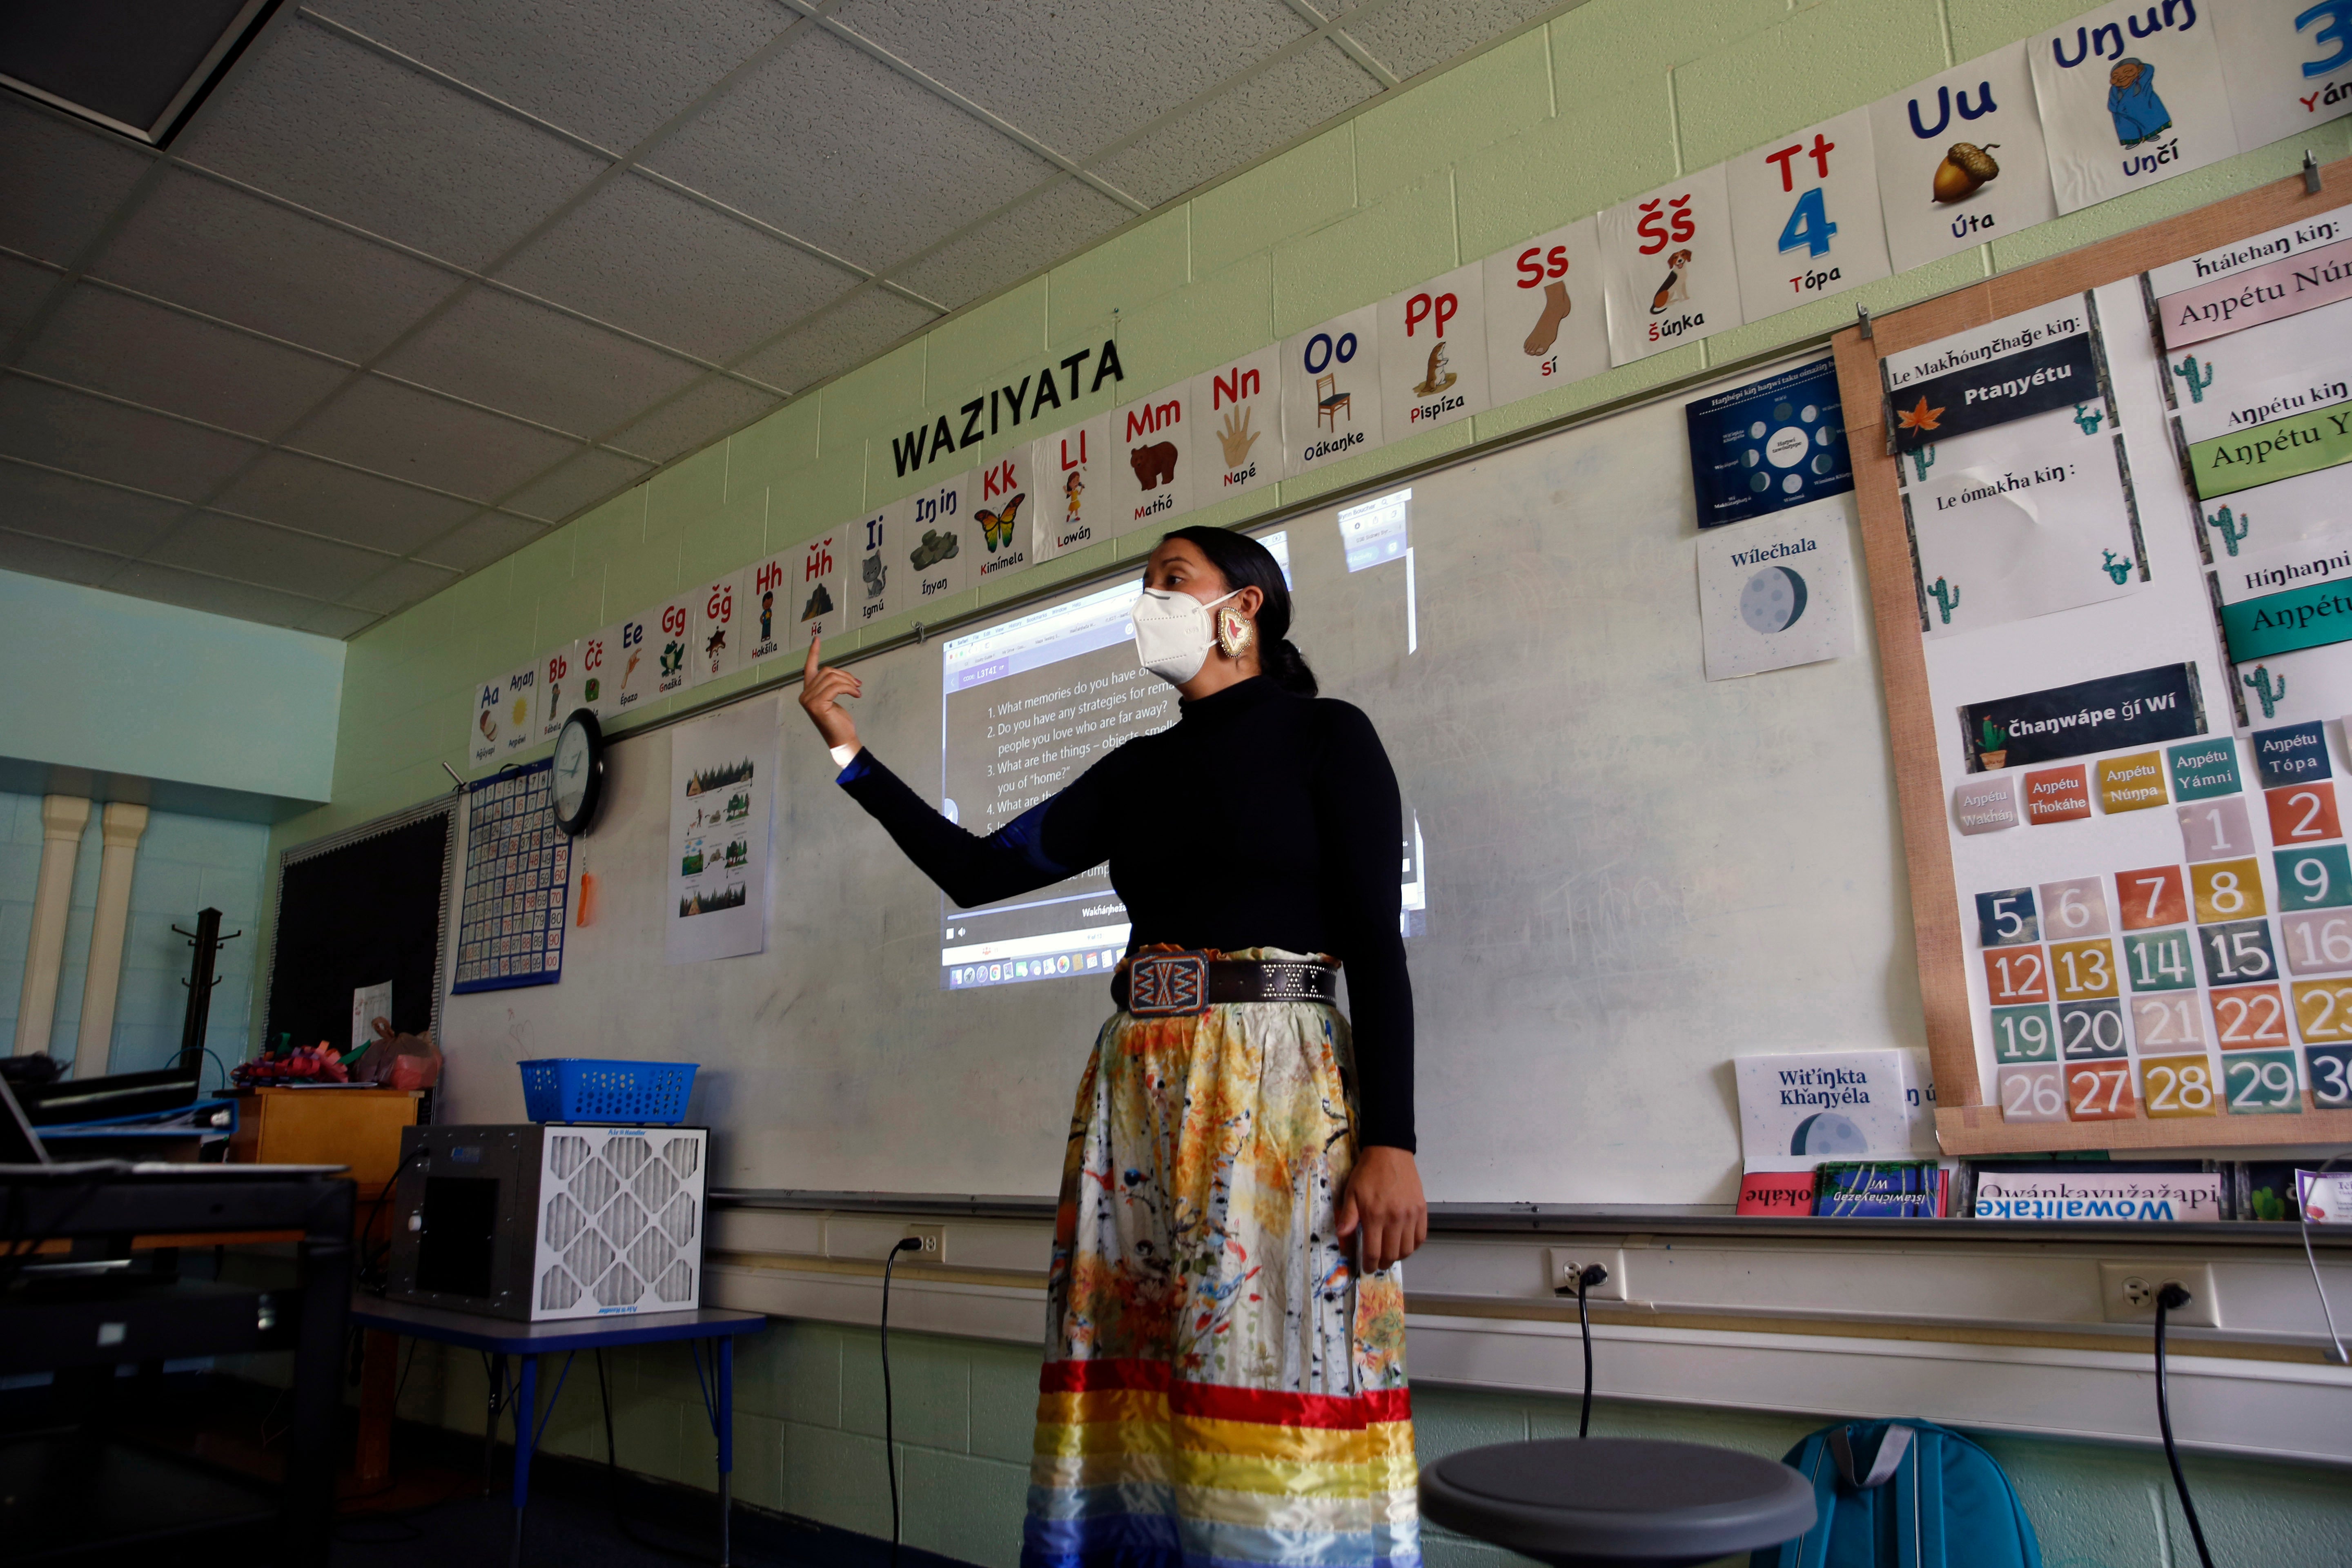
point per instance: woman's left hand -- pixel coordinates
(1383, 1202)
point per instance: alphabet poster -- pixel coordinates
(518, 710)
(1331, 391)
(1150, 437)
(1241, 449)
(930, 543)
(819, 592)
(874, 586)
(766, 610)
(559, 685)
(672, 638)
(1072, 465)
(998, 525)
(599, 669)
(718, 644)
(636, 650)
(1668, 266)
(1435, 370)
(1546, 323)
(2130, 94)
(2288, 64)
(1805, 213)
(1960, 159)
(721, 788)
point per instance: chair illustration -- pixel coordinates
(1330, 401)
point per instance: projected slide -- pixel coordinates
(1028, 706)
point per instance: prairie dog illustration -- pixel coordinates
(1439, 378)
(1677, 288)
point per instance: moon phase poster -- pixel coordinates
(1778, 591)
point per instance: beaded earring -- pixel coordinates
(1235, 632)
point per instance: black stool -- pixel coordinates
(1613, 1502)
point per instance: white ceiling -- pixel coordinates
(421, 280)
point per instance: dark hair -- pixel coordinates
(1244, 563)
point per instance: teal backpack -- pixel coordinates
(1904, 1494)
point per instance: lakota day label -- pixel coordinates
(1435, 372)
(2130, 95)
(2205, 769)
(1804, 216)
(2108, 714)
(2276, 601)
(1992, 546)
(1331, 391)
(2281, 448)
(1775, 443)
(2288, 270)
(2032, 362)
(2288, 64)
(1071, 468)
(1547, 324)
(1960, 159)
(1985, 806)
(1241, 449)
(2292, 753)
(2135, 782)
(1667, 268)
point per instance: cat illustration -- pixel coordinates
(872, 567)
(1439, 378)
(1677, 288)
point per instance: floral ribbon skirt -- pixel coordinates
(1221, 1386)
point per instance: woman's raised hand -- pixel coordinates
(822, 691)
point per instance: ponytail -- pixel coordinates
(1244, 563)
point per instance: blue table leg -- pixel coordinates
(726, 1424)
(526, 1410)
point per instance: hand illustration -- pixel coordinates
(1236, 436)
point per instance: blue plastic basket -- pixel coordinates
(587, 1089)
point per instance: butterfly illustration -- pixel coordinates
(997, 528)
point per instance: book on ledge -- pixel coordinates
(1882, 1189)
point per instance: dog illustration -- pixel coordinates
(1677, 288)
(1154, 464)
(1439, 378)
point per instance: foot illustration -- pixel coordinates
(1555, 311)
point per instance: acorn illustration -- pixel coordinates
(1965, 169)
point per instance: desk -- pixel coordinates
(502, 1338)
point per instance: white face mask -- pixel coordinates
(1174, 633)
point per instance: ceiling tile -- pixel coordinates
(428, 440)
(812, 141)
(354, 135)
(652, 261)
(1065, 218)
(336, 621)
(146, 580)
(22, 289)
(623, 66)
(48, 558)
(1280, 103)
(360, 509)
(484, 539)
(580, 483)
(58, 182)
(1079, 74)
(147, 354)
(33, 500)
(497, 349)
(847, 335)
(202, 243)
(715, 406)
(1410, 36)
(89, 436)
(399, 585)
(270, 557)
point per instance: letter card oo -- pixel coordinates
(1667, 268)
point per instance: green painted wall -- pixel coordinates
(1605, 101)
(808, 1441)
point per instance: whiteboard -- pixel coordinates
(1633, 875)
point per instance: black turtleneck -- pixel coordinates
(1259, 819)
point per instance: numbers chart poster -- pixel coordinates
(2156, 911)
(518, 867)
(723, 774)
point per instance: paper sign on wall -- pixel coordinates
(1804, 215)
(2288, 64)
(1668, 266)
(2107, 713)
(722, 786)
(716, 646)
(1150, 435)
(1798, 1110)
(2051, 531)
(1241, 402)
(518, 712)
(486, 728)
(932, 542)
(766, 611)
(636, 650)
(1331, 391)
(673, 645)
(2300, 267)
(820, 591)
(1778, 591)
(558, 682)
(1001, 516)
(1774, 442)
(1435, 372)
(1075, 496)
(1960, 159)
(1547, 324)
(600, 670)
(2130, 95)
(2043, 361)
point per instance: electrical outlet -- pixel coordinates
(2128, 1293)
(1567, 1262)
(934, 1240)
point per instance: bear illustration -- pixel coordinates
(1154, 464)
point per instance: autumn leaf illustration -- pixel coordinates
(1921, 417)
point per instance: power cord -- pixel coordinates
(889, 1433)
(2302, 1218)
(1592, 1274)
(2171, 1299)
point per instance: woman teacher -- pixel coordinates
(1224, 1353)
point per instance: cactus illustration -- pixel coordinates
(2233, 529)
(2116, 567)
(2090, 418)
(1990, 737)
(2188, 370)
(1946, 596)
(1923, 459)
(2259, 683)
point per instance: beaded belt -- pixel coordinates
(1178, 985)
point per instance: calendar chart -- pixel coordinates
(510, 921)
